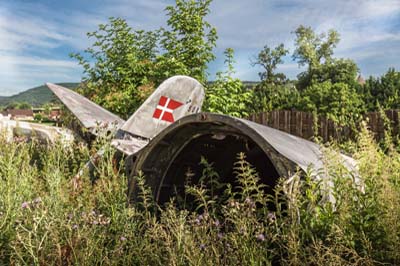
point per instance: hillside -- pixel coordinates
(36, 96)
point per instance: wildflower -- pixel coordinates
(271, 216)
(220, 235)
(25, 205)
(216, 223)
(122, 238)
(70, 216)
(37, 200)
(95, 222)
(202, 246)
(75, 226)
(250, 202)
(260, 237)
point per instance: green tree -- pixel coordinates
(123, 65)
(12, 105)
(274, 92)
(227, 95)
(269, 59)
(24, 105)
(316, 52)
(38, 117)
(382, 91)
(313, 49)
(189, 41)
(269, 97)
(339, 102)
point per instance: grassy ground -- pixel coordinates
(48, 217)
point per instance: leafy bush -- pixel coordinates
(338, 102)
(228, 95)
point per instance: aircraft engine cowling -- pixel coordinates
(168, 157)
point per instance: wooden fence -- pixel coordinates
(304, 124)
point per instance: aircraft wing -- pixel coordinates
(90, 114)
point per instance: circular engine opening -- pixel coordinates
(222, 151)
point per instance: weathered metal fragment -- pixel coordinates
(12, 128)
(219, 137)
(90, 114)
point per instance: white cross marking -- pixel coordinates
(164, 108)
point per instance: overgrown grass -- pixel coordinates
(50, 217)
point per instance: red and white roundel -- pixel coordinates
(165, 108)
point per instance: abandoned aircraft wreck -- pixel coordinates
(168, 134)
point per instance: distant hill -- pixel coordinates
(36, 96)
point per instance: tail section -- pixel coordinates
(175, 98)
(90, 114)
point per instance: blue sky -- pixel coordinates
(36, 36)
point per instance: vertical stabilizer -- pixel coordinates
(176, 97)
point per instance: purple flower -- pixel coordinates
(260, 237)
(95, 222)
(37, 200)
(25, 205)
(75, 226)
(122, 238)
(271, 216)
(202, 246)
(250, 202)
(220, 235)
(70, 216)
(216, 223)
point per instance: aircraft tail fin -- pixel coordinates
(176, 97)
(90, 114)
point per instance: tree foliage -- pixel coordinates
(269, 59)
(227, 95)
(383, 92)
(190, 41)
(122, 68)
(123, 65)
(313, 49)
(18, 105)
(316, 52)
(338, 101)
(269, 97)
